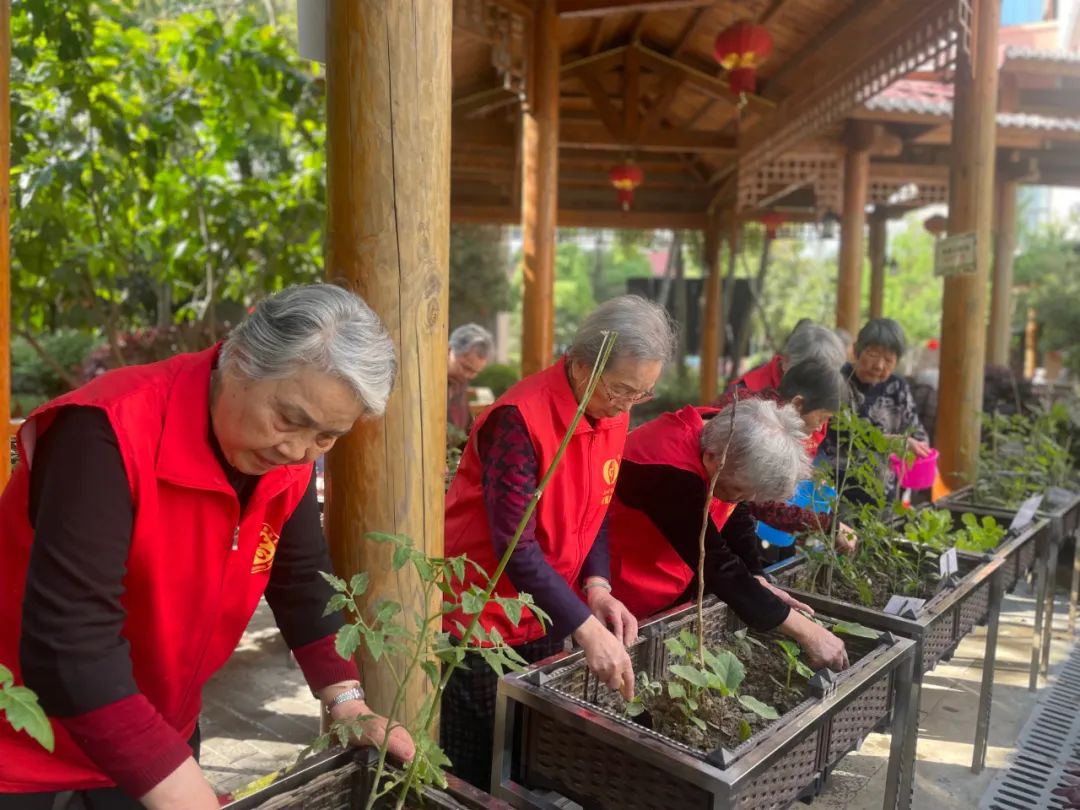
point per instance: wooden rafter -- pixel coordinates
(631, 93)
(683, 39)
(771, 11)
(709, 85)
(596, 36)
(638, 27)
(816, 44)
(701, 112)
(598, 8)
(588, 135)
(669, 88)
(600, 62)
(601, 103)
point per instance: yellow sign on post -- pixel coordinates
(954, 255)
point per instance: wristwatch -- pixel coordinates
(356, 693)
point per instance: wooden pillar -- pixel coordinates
(711, 323)
(878, 239)
(852, 220)
(1000, 329)
(971, 199)
(388, 189)
(539, 190)
(1031, 343)
(5, 263)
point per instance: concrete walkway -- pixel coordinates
(258, 715)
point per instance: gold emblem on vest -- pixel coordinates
(264, 554)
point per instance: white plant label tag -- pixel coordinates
(1026, 512)
(899, 604)
(947, 563)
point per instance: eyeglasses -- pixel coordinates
(627, 397)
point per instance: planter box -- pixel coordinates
(552, 733)
(937, 628)
(341, 780)
(1064, 515)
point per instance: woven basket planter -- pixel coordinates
(553, 734)
(341, 780)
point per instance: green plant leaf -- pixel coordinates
(803, 669)
(20, 705)
(347, 640)
(472, 601)
(854, 629)
(675, 647)
(359, 583)
(690, 674)
(457, 565)
(757, 707)
(745, 732)
(402, 555)
(697, 721)
(336, 604)
(675, 690)
(512, 608)
(376, 645)
(337, 583)
(6, 678)
(728, 669)
(432, 671)
(635, 708)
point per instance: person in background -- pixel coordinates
(660, 498)
(880, 396)
(807, 341)
(149, 512)
(562, 557)
(815, 389)
(471, 346)
(848, 342)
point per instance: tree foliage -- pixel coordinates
(479, 277)
(1047, 273)
(158, 167)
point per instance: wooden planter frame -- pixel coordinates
(550, 734)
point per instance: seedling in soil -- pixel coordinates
(792, 651)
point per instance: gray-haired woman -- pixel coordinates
(149, 512)
(562, 558)
(807, 341)
(881, 397)
(471, 346)
(757, 449)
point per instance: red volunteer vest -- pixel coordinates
(187, 592)
(647, 574)
(569, 513)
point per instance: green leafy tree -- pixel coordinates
(1048, 275)
(479, 281)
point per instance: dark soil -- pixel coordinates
(766, 675)
(880, 588)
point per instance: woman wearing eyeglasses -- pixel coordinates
(562, 558)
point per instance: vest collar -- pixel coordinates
(558, 383)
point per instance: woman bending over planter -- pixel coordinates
(660, 497)
(808, 341)
(150, 511)
(815, 389)
(880, 397)
(562, 557)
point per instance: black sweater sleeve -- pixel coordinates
(740, 534)
(674, 500)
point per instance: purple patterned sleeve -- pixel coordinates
(598, 561)
(510, 473)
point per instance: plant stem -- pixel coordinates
(701, 568)
(470, 630)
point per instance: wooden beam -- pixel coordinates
(638, 27)
(683, 39)
(587, 135)
(522, 8)
(388, 239)
(600, 62)
(631, 93)
(609, 116)
(771, 11)
(540, 187)
(852, 221)
(701, 112)
(596, 37)
(569, 9)
(878, 241)
(1042, 67)
(909, 172)
(5, 208)
(971, 209)
(632, 220)
(999, 330)
(816, 43)
(669, 88)
(699, 79)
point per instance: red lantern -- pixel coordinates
(936, 225)
(740, 50)
(771, 220)
(626, 178)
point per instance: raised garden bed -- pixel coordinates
(1062, 509)
(341, 780)
(973, 596)
(559, 729)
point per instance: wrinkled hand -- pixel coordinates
(823, 648)
(786, 597)
(846, 539)
(920, 449)
(613, 614)
(606, 656)
(401, 744)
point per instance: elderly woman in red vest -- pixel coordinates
(660, 497)
(562, 558)
(149, 512)
(807, 341)
(815, 389)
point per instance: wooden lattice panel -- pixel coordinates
(929, 41)
(823, 172)
(892, 192)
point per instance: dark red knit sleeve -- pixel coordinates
(790, 519)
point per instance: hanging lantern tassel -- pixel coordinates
(772, 222)
(625, 179)
(741, 49)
